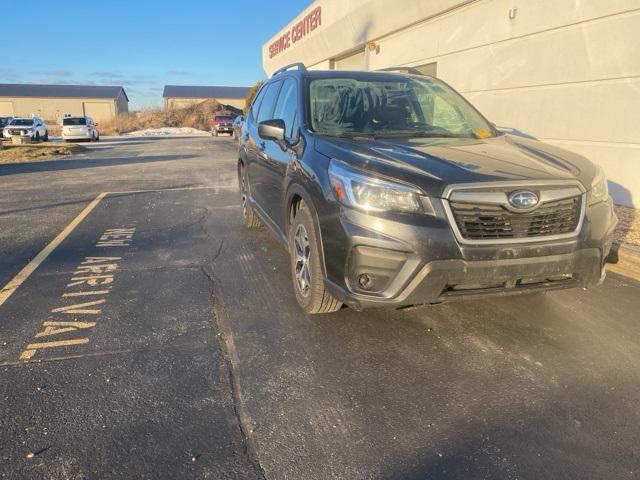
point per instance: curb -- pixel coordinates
(625, 260)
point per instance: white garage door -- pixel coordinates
(99, 111)
(352, 62)
(6, 108)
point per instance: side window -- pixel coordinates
(255, 105)
(287, 106)
(268, 102)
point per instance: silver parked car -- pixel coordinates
(33, 127)
(80, 128)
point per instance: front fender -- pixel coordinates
(295, 190)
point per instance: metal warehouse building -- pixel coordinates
(52, 102)
(178, 96)
(564, 71)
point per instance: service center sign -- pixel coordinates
(308, 24)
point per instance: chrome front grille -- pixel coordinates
(482, 222)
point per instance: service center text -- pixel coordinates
(308, 24)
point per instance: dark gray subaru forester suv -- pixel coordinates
(390, 189)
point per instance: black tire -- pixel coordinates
(98, 138)
(46, 136)
(37, 137)
(249, 217)
(215, 133)
(315, 298)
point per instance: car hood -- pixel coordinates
(433, 163)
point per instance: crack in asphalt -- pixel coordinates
(230, 355)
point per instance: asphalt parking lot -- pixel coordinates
(160, 339)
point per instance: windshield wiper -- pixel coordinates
(422, 134)
(352, 136)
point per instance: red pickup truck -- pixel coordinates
(222, 124)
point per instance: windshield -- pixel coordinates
(225, 118)
(74, 121)
(398, 106)
(22, 122)
(4, 121)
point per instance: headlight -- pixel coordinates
(599, 189)
(358, 190)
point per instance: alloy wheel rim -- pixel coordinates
(302, 252)
(243, 196)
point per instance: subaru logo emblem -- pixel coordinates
(523, 199)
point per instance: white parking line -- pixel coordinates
(23, 274)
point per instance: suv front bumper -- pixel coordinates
(408, 264)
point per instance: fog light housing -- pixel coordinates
(371, 270)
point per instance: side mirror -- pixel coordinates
(272, 130)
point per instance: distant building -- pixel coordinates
(53, 102)
(178, 96)
(564, 71)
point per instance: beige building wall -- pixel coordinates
(564, 71)
(185, 102)
(54, 109)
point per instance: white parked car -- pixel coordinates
(80, 128)
(33, 127)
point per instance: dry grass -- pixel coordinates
(37, 152)
(628, 230)
(194, 116)
(55, 130)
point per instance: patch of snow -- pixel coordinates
(168, 132)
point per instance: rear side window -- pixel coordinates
(287, 106)
(268, 102)
(255, 105)
(74, 121)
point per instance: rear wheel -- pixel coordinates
(46, 136)
(306, 266)
(249, 217)
(37, 137)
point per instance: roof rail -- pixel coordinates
(298, 65)
(408, 70)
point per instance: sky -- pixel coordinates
(141, 45)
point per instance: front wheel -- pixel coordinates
(306, 266)
(46, 136)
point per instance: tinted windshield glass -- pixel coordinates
(74, 121)
(4, 121)
(22, 122)
(225, 118)
(402, 106)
